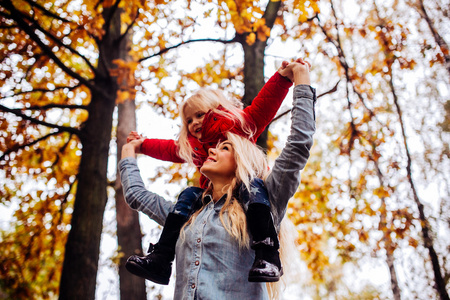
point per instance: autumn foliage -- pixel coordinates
(377, 183)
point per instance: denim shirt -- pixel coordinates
(209, 262)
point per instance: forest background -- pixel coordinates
(371, 215)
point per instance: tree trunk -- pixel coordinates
(78, 278)
(254, 78)
(128, 228)
(79, 273)
(254, 64)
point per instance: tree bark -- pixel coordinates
(78, 278)
(254, 78)
(79, 273)
(394, 282)
(254, 65)
(128, 227)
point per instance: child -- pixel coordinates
(207, 116)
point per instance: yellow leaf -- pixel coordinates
(250, 40)
(122, 96)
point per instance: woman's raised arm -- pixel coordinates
(136, 195)
(284, 179)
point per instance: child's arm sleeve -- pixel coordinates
(161, 149)
(265, 106)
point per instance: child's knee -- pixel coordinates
(186, 200)
(191, 192)
(258, 192)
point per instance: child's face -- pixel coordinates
(194, 118)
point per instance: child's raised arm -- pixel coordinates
(266, 104)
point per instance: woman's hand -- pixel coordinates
(131, 148)
(297, 71)
(300, 71)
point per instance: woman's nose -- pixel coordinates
(212, 151)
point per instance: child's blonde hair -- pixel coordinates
(205, 100)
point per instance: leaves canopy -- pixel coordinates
(356, 196)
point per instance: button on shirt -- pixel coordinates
(217, 268)
(209, 263)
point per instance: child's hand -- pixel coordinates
(133, 136)
(135, 144)
(284, 71)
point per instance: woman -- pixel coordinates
(213, 255)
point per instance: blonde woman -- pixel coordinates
(213, 255)
(206, 117)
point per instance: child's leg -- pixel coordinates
(157, 265)
(267, 264)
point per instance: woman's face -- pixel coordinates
(221, 163)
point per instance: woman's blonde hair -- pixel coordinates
(251, 162)
(205, 100)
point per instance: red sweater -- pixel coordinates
(259, 114)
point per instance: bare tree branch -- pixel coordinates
(440, 285)
(443, 46)
(332, 90)
(50, 106)
(18, 113)
(64, 201)
(270, 14)
(188, 42)
(43, 91)
(61, 150)
(344, 64)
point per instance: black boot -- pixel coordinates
(267, 264)
(157, 265)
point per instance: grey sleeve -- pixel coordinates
(284, 178)
(137, 196)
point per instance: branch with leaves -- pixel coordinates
(23, 146)
(29, 29)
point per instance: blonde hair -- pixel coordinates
(251, 162)
(288, 251)
(205, 100)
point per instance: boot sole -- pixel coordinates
(260, 278)
(263, 279)
(137, 270)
